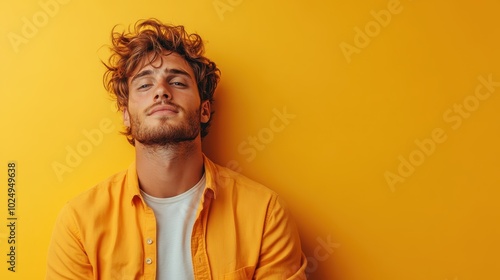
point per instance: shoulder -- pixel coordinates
(242, 190)
(252, 202)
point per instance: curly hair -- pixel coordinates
(150, 36)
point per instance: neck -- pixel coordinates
(167, 171)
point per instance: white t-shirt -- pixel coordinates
(174, 219)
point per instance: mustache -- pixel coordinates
(162, 103)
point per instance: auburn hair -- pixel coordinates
(130, 48)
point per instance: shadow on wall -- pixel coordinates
(318, 242)
(320, 249)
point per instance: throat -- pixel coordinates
(163, 172)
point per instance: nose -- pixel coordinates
(162, 93)
(162, 96)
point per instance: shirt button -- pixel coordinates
(149, 261)
(149, 241)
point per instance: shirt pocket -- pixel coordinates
(241, 274)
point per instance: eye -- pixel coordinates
(178, 84)
(144, 86)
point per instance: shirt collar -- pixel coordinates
(132, 182)
(211, 173)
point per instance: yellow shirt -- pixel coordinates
(242, 230)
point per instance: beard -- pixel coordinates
(165, 134)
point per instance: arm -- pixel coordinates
(281, 255)
(66, 257)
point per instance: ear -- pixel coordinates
(205, 111)
(126, 117)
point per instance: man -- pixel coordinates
(173, 214)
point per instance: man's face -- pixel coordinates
(164, 105)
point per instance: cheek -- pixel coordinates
(188, 103)
(135, 104)
(126, 118)
(133, 112)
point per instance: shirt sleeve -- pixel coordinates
(66, 255)
(281, 255)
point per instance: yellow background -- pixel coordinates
(353, 118)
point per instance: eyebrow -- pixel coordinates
(141, 74)
(178, 72)
(148, 72)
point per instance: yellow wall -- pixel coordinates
(376, 120)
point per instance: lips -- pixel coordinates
(162, 107)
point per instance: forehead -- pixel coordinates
(166, 60)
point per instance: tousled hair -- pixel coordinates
(130, 48)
